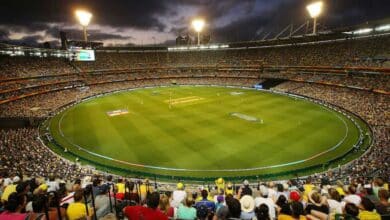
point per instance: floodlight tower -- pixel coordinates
(84, 18)
(315, 10)
(198, 25)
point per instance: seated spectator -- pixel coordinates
(334, 202)
(284, 211)
(165, 207)
(205, 202)
(102, 201)
(220, 202)
(264, 199)
(262, 212)
(316, 204)
(232, 210)
(368, 210)
(186, 211)
(16, 203)
(297, 210)
(351, 212)
(78, 209)
(383, 207)
(351, 197)
(247, 207)
(150, 212)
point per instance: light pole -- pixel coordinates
(314, 11)
(198, 25)
(84, 18)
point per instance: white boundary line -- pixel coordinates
(221, 170)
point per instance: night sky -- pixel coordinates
(142, 22)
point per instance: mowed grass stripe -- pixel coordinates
(202, 134)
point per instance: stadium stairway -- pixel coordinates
(270, 83)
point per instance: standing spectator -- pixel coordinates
(178, 195)
(246, 190)
(52, 184)
(205, 202)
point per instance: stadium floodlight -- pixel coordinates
(198, 25)
(315, 10)
(84, 18)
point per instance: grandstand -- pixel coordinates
(348, 74)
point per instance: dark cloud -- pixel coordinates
(143, 15)
(228, 20)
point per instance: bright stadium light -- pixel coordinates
(84, 18)
(198, 25)
(314, 11)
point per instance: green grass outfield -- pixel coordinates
(203, 131)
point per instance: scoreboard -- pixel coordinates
(81, 55)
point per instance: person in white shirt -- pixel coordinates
(52, 184)
(263, 199)
(334, 201)
(178, 195)
(352, 197)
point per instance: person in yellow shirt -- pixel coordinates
(120, 189)
(10, 189)
(78, 209)
(220, 182)
(308, 187)
(229, 189)
(368, 212)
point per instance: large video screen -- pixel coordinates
(82, 55)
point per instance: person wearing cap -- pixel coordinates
(229, 189)
(247, 207)
(11, 188)
(220, 202)
(264, 199)
(220, 183)
(102, 201)
(178, 195)
(246, 190)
